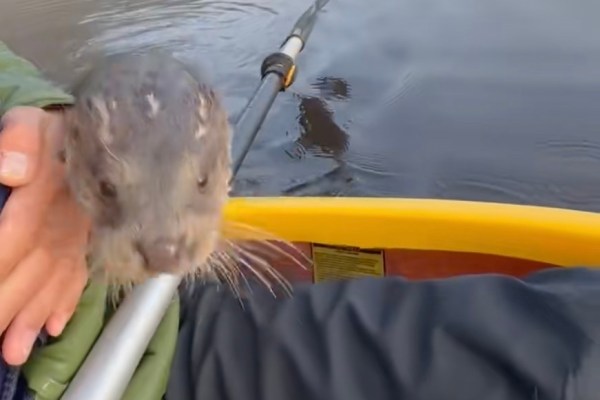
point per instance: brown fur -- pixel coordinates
(148, 155)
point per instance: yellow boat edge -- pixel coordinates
(551, 235)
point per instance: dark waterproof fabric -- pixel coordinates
(12, 382)
(485, 337)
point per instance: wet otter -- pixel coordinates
(147, 156)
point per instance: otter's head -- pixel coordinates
(148, 157)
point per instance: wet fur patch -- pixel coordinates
(153, 104)
(144, 127)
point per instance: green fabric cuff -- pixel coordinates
(51, 367)
(22, 84)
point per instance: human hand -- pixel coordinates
(43, 233)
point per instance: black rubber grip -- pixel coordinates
(280, 64)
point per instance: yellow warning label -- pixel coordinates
(336, 262)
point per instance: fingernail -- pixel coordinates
(13, 164)
(56, 324)
(27, 340)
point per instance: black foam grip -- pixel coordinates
(279, 63)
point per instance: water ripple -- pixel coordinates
(199, 27)
(494, 100)
(573, 149)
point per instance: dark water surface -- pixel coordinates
(494, 100)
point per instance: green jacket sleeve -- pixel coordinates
(50, 368)
(22, 84)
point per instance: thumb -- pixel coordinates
(20, 145)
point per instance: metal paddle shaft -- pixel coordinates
(278, 71)
(115, 356)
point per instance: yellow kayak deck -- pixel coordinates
(419, 237)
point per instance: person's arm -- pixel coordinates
(22, 84)
(50, 368)
(467, 338)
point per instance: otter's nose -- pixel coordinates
(161, 255)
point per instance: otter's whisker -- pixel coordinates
(264, 237)
(267, 268)
(268, 245)
(229, 269)
(232, 265)
(117, 290)
(239, 256)
(226, 275)
(235, 265)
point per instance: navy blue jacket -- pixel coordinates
(481, 337)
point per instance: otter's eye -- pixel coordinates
(201, 182)
(107, 189)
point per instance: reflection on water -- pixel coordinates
(496, 100)
(319, 133)
(321, 136)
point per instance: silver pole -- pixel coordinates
(292, 47)
(111, 363)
